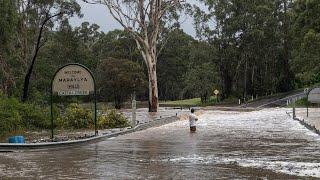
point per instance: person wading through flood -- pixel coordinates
(192, 120)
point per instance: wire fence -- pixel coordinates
(305, 111)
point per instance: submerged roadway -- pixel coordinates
(265, 144)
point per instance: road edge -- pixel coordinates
(7, 147)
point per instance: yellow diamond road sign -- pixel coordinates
(216, 92)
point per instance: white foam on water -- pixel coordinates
(273, 122)
(292, 168)
(303, 169)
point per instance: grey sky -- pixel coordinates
(98, 14)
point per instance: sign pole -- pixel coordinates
(134, 107)
(51, 113)
(95, 108)
(294, 109)
(216, 92)
(307, 109)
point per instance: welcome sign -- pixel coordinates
(73, 80)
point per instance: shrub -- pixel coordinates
(35, 117)
(112, 120)
(302, 103)
(16, 116)
(76, 117)
(10, 118)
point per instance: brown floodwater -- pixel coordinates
(263, 144)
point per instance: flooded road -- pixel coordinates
(227, 145)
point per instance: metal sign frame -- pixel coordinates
(94, 96)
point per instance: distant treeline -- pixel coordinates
(243, 48)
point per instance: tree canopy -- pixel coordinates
(243, 48)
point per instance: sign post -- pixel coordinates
(73, 80)
(134, 109)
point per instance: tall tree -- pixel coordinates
(8, 24)
(145, 20)
(118, 79)
(306, 42)
(116, 44)
(173, 63)
(252, 42)
(37, 17)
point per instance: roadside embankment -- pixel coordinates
(5, 147)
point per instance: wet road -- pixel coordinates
(227, 145)
(143, 116)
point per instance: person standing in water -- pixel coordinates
(192, 120)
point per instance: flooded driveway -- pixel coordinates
(227, 145)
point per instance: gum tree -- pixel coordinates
(37, 17)
(145, 20)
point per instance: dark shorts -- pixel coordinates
(193, 129)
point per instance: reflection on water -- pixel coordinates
(265, 144)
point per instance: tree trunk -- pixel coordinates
(153, 88)
(30, 69)
(148, 53)
(34, 57)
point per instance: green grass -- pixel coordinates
(300, 103)
(191, 102)
(185, 102)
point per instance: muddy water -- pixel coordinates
(227, 145)
(143, 116)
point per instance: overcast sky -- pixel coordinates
(99, 14)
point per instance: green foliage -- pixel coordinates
(173, 63)
(306, 33)
(184, 102)
(301, 103)
(35, 117)
(76, 117)
(16, 116)
(117, 44)
(118, 79)
(11, 119)
(192, 102)
(251, 43)
(202, 79)
(112, 120)
(252, 49)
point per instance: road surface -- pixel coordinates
(263, 144)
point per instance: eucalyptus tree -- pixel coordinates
(36, 17)
(173, 63)
(118, 79)
(252, 42)
(117, 44)
(306, 42)
(213, 25)
(201, 80)
(145, 20)
(8, 24)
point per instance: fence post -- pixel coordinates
(134, 108)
